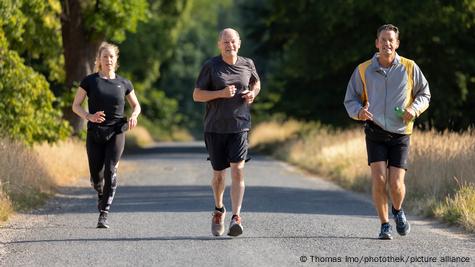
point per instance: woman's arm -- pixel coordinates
(78, 99)
(134, 104)
(81, 94)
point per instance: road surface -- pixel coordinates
(162, 211)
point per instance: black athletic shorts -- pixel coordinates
(224, 149)
(382, 145)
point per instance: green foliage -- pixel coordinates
(33, 29)
(159, 109)
(195, 44)
(308, 59)
(113, 18)
(143, 52)
(27, 107)
(142, 56)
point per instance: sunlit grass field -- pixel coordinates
(29, 175)
(440, 180)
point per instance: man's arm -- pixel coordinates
(200, 95)
(421, 92)
(254, 89)
(352, 100)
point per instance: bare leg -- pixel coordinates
(380, 195)
(237, 186)
(398, 188)
(218, 184)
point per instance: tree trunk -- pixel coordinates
(79, 52)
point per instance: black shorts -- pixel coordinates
(386, 146)
(224, 149)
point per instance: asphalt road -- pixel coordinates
(162, 212)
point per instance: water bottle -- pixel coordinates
(399, 111)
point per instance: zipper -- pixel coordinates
(385, 97)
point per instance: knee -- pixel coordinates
(397, 184)
(237, 173)
(114, 179)
(379, 183)
(237, 168)
(379, 180)
(218, 177)
(97, 187)
(110, 175)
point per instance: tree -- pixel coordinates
(144, 53)
(310, 57)
(28, 114)
(196, 43)
(85, 24)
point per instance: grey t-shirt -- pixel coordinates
(227, 115)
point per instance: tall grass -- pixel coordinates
(139, 137)
(64, 162)
(441, 171)
(29, 175)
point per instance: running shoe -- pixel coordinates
(217, 222)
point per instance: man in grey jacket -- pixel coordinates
(388, 92)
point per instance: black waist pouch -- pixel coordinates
(375, 133)
(103, 133)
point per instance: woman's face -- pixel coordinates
(108, 60)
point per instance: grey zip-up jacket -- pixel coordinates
(402, 85)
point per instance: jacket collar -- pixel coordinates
(375, 63)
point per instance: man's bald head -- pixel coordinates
(227, 31)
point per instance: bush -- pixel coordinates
(28, 114)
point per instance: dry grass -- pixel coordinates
(181, 135)
(29, 175)
(273, 131)
(336, 154)
(459, 208)
(339, 155)
(65, 161)
(25, 181)
(138, 137)
(438, 163)
(5, 205)
(436, 159)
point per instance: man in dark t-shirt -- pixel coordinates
(228, 84)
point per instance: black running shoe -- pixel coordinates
(402, 225)
(385, 233)
(102, 222)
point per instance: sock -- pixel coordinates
(219, 209)
(234, 215)
(384, 223)
(395, 211)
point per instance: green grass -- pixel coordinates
(459, 208)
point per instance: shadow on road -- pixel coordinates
(186, 148)
(185, 238)
(199, 199)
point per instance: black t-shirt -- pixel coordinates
(107, 95)
(227, 115)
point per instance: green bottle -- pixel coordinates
(399, 111)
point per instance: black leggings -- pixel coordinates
(103, 160)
